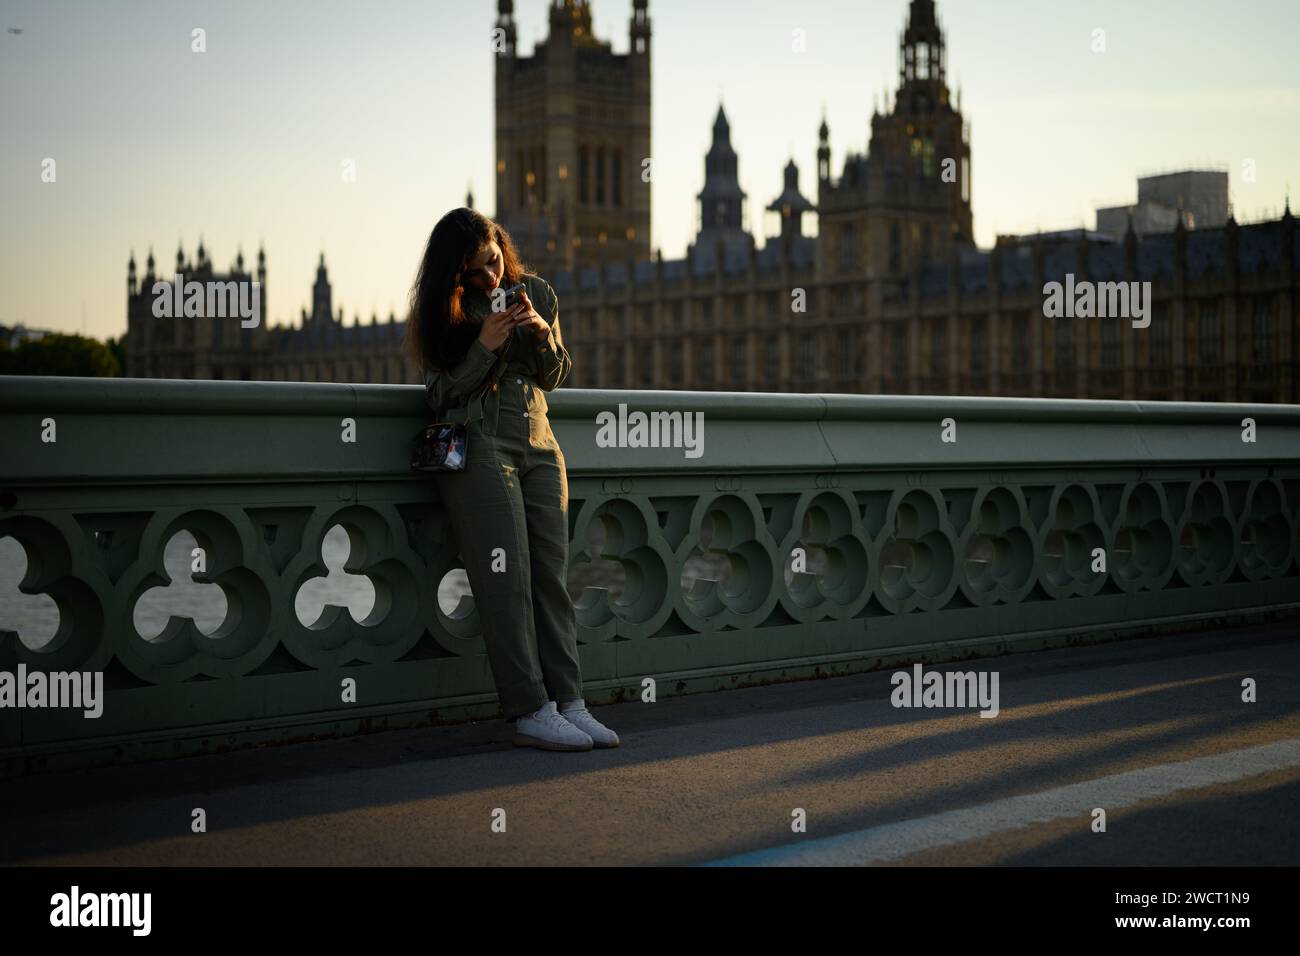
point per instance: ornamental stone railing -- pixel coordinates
(815, 535)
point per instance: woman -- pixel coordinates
(489, 365)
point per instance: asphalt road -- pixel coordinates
(1154, 732)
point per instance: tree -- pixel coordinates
(59, 354)
(117, 348)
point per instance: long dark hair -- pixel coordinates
(438, 332)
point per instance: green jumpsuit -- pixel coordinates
(509, 506)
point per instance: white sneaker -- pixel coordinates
(547, 730)
(579, 716)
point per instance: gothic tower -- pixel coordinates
(572, 132)
(721, 201)
(924, 124)
(791, 206)
(321, 297)
(906, 202)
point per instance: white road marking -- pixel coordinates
(895, 840)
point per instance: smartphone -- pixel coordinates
(512, 294)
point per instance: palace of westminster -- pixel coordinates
(898, 298)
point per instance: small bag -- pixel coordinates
(444, 446)
(441, 446)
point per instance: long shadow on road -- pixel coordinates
(1067, 715)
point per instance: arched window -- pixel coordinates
(979, 346)
(848, 247)
(1160, 344)
(1262, 332)
(848, 354)
(704, 371)
(1064, 345)
(939, 348)
(898, 356)
(807, 358)
(1020, 343)
(1110, 346)
(1210, 345)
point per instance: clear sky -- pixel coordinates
(244, 143)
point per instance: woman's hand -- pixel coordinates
(499, 326)
(528, 318)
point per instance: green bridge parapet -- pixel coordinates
(814, 535)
